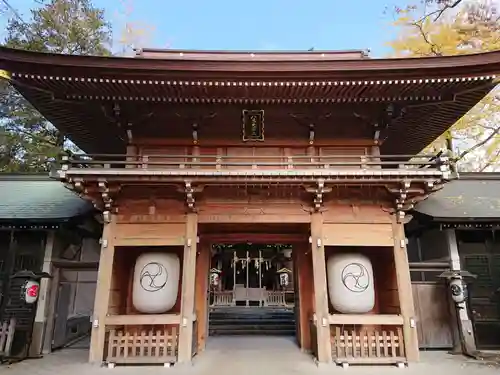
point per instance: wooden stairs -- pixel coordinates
(265, 321)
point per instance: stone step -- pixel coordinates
(246, 327)
(251, 321)
(263, 322)
(246, 332)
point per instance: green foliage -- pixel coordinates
(56, 26)
(457, 28)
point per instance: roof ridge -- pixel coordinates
(35, 176)
(479, 176)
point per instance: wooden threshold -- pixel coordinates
(141, 360)
(370, 360)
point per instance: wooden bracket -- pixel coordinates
(195, 133)
(402, 205)
(433, 186)
(409, 193)
(105, 194)
(309, 120)
(189, 190)
(196, 120)
(319, 190)
(106, 200)
(311, 134)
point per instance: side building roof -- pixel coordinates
(37, 198)
(473, 197)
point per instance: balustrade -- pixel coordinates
(270, 298)
(298, 163)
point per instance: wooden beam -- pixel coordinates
(254, 238)
(141, 142)
(366, 319)
(159, 234)
(324, 351)
(208, 218)
(188, 290)
(130, 242)
(146, 319)
(405, 292)
(75, 264)
(102, 293)
(354, 234)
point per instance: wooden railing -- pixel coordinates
(275, 298)
(270, 298)
(217, 162)
(223, 298)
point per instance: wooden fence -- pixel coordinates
(143, 347)
(368, 347)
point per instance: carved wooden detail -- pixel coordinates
(318, 192)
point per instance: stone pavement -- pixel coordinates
(245, 356)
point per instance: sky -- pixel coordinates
(255, 24)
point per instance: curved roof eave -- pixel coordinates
(483, 63)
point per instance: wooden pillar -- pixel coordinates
(101, 302)
(324, 351)
(8, 270)
(305, 288)
(405, 292)
(201, 302)
(43, 304)
(51, 313)
(466, 342)
(132, 156)
(188, 290)
(375, 153)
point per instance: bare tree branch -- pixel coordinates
(434, 47)
(438, 13)
(492, 160)
(479, 144)
(445, 8)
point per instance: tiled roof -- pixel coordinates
(473, 196)
(38, 198)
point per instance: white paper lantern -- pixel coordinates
(350, 283)
(156, 282)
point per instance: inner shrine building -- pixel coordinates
(237, 181)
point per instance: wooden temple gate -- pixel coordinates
(175, 141)
(120, 336)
